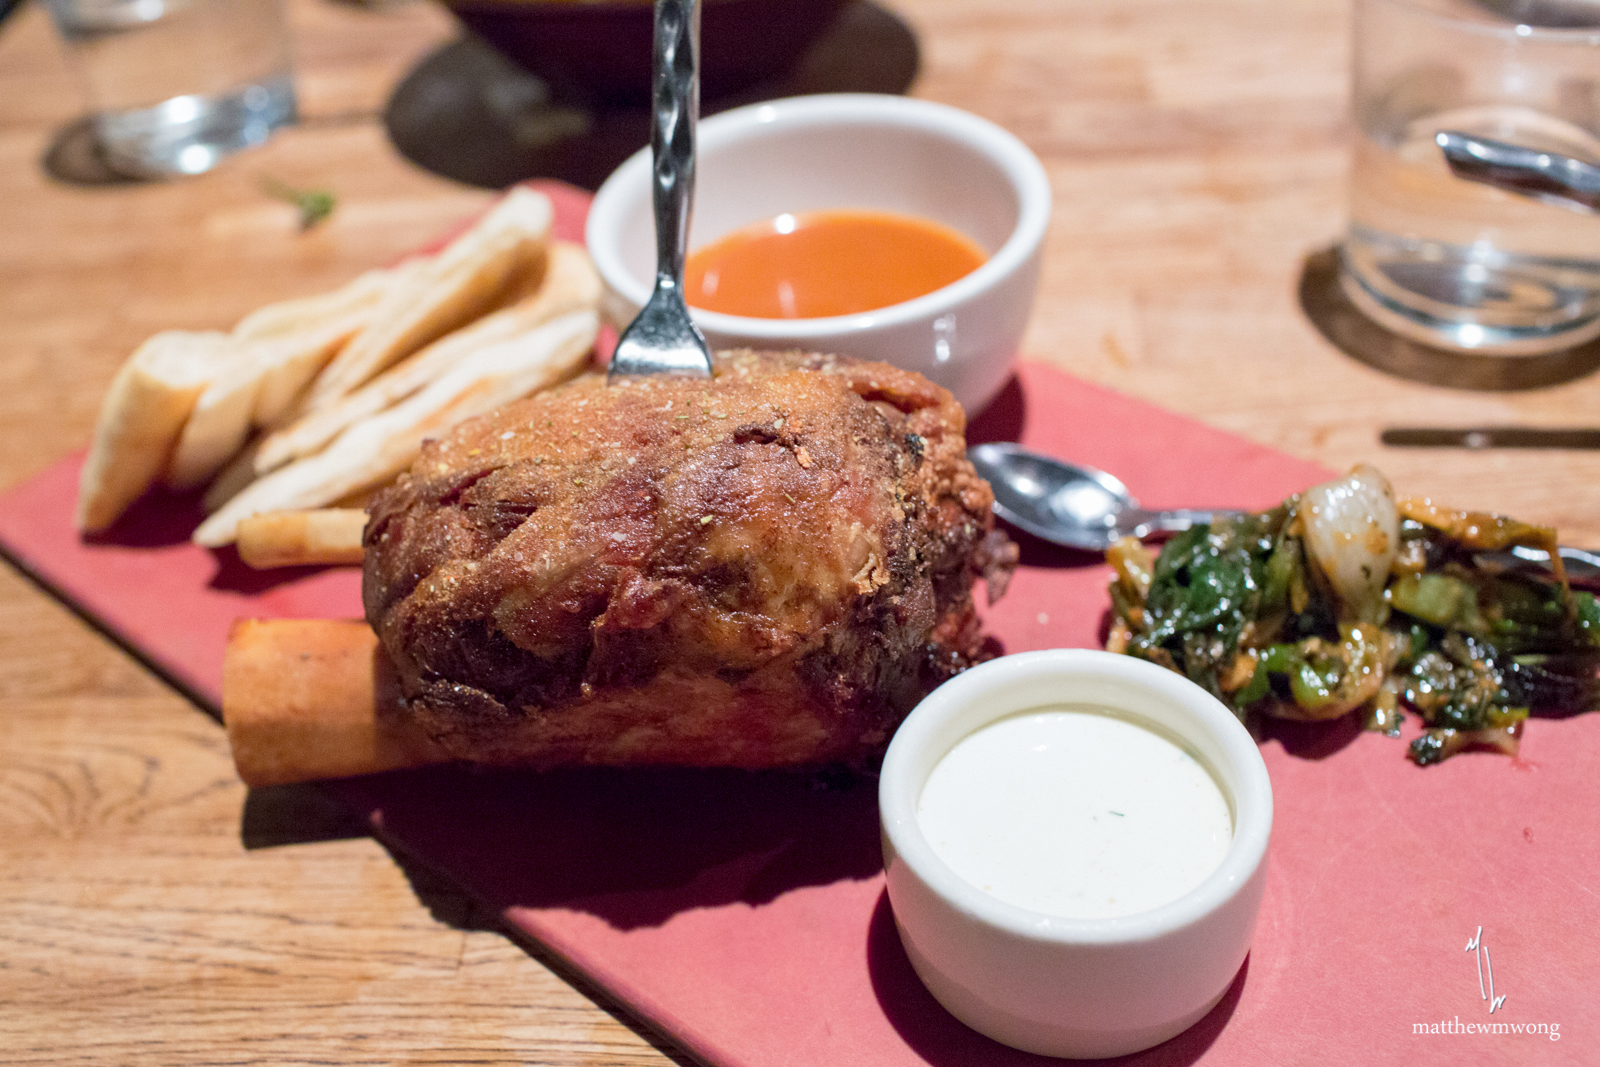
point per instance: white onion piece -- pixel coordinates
(1352, 531)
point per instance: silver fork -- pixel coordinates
(662, 339)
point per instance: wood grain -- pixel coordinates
(153, 911)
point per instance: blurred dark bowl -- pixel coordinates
(602, 48)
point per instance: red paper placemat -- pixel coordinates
(745, 916)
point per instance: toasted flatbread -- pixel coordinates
(217, 425)
(278, 350)
(569, 283)
(451, 288)
(289, 317)
(305, 352)
(141, 419)
(376, 449)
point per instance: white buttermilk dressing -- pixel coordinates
(1074, 812)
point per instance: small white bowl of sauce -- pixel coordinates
(1076, 845)
(875, 226)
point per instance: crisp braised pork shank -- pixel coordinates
(766, 569)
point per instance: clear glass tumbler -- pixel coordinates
(1455, 263)
(175, 86)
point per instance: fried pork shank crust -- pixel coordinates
(768, 569)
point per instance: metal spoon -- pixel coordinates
(1530, 172)
(1088, 509)
(662, 339)
(1078, 507)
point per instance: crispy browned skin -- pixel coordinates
(768, 569)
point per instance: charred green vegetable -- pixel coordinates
(1342, 600)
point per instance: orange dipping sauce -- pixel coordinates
(823, 263)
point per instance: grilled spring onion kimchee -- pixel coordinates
(1343, 600)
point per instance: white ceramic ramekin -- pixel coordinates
(854, 150)
(1074, 987)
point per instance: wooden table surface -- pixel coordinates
(153, 911)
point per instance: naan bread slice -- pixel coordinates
(377, 449)
(569, 283)
(278, 350)
(451, 288)
(141, 419)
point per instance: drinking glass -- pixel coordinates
(175, 86)
(1459, 264)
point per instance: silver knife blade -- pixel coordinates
(1582, 565)
(1491, 437)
